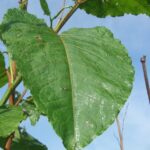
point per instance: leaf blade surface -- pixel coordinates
(114, 8)
(79, 79)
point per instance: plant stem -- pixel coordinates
(143, 61)
(51, 22)
(9, 142)
(9, 90)
(11, 78)
(11, 100)
(120, 134)
(67, 17)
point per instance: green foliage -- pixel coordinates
(10, 118)
(24, 142)
(79, 79)
(45, 8)
(32, 111)
(103, 8)
(3, 76)
(2, 142)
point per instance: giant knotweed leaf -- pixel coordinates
(80, 79)
(103, 8)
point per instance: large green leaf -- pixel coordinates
(80, 79)
(24, 142)
(103, 8)
(45, 8)
(3, 76)
(10, 118)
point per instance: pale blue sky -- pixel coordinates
(134, 33)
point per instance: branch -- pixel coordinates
(143, 61)
(120, 134)
(10, 89)
(21, 96)
(67, 17)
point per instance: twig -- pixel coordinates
(125, 114)
(120, 134)
(9, 90)
(62, 13)
(143, 61)
(67, 17)
(21, 96)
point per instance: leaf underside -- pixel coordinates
(80, 79)
(103, 8)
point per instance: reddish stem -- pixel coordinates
(11, 101)
(9, 142)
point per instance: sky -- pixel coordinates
(134, 33)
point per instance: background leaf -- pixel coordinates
(103, 8)
(80, 79)
(45, 8)
(3, 76)
(25, 142)
(10, 118)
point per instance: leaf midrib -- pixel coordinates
(72, 87)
